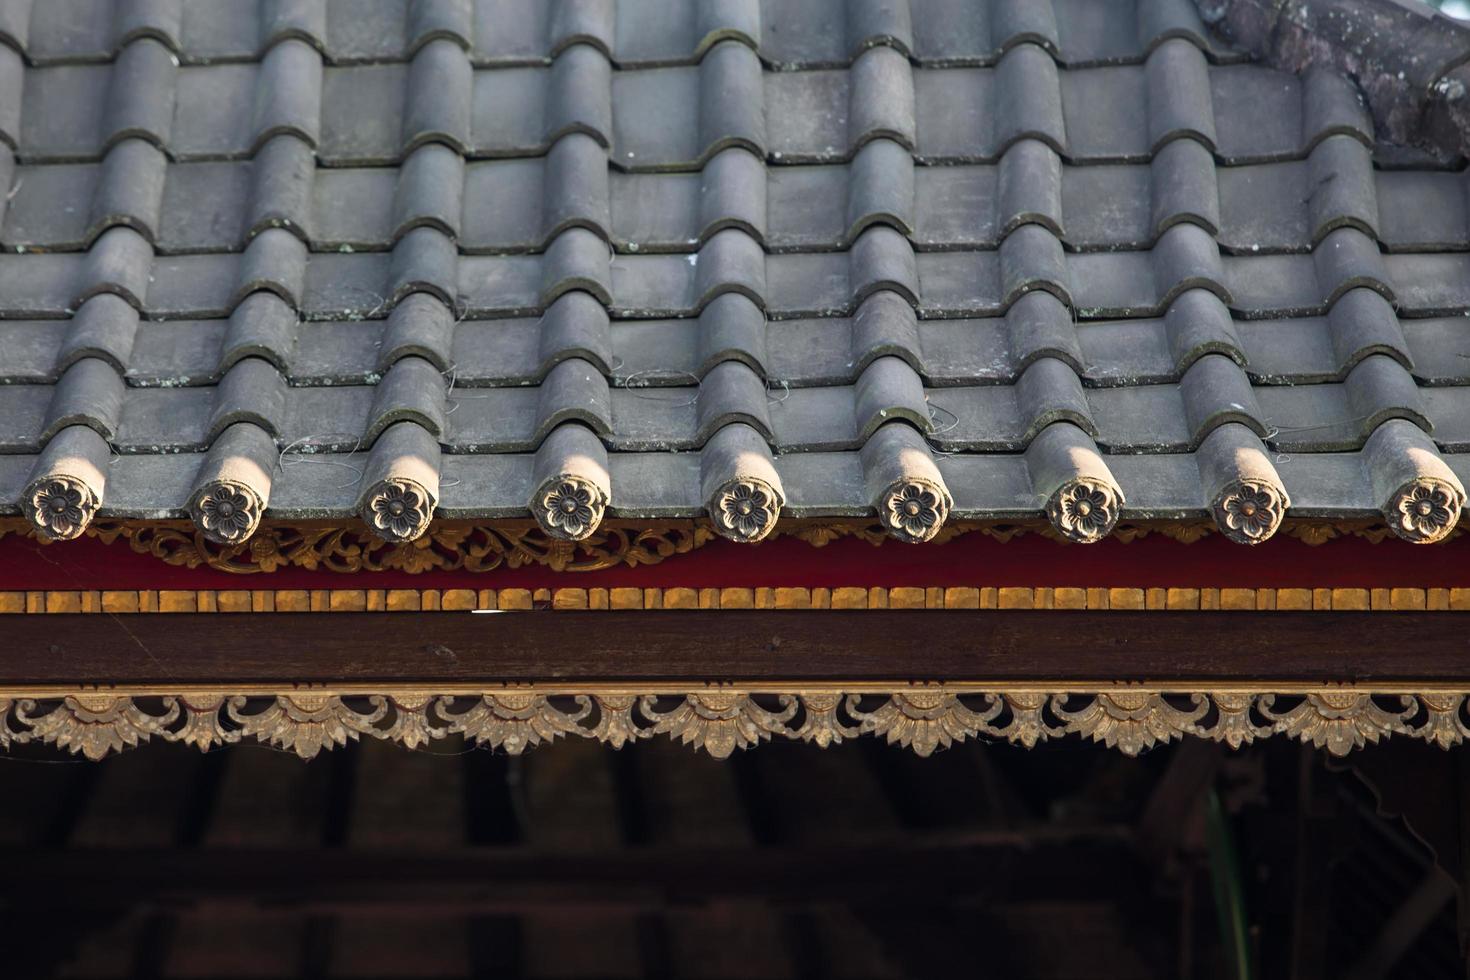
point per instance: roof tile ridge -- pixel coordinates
(1184, 257)
(129, 190)
(141, 89)
(284, 20)
(589, 22)
(730, 261)
(429, 191)
(575, 188)
(727, 20)
(1049, 390)
(15, 25)
(1072, 483)
(68, 480)
(1379, 388)
(1344, 187)
(282, 173)
(1361, 323)
(399, 488)
(232, 487)
(439, 20)
(576, 259)
(578, 94)
(1405, 57)
(575, 324)
(412, 389)
(1180, 101)
(1158, 21)
(738, 483)
(572, 482)
(161, 20)
(1016, 22)
(1241, 487)
(438, 102)
(874, 23)
(884, 325)
(731, 103)
(1199, 323)
(574, 389)
(1183, 187)
(12, 92)
(732, 194)
(880, 99)
(1215, 390)
(1032, 258)
(732, 391)
(288, 94)
(1347, 258)
(902, 483)
(1026, 99)
(1029, 188)
(1040, 324)
(880, 188)
(881, 258)
(1416, 491)
(732, 327)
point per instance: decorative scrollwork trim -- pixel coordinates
(721, 720)
(481, 547)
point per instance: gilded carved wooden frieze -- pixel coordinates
(449, 546)
(721, 721)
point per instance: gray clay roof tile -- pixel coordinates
(844, 255)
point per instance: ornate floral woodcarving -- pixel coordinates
(569, 508)
(1424, 510)
(448, 546)
(398, 510)
(60, 507)
(227, 513)
(722, 720)
(1084, 510)
(745, 510)
(915, 510)
(1249, 512)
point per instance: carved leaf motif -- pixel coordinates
(304, 723)
(615, 723)
(822, 724)
(1027, 724)
(93, 725)
(1130, 721)
(926, 720)
(719, 722)
(1232, 723)
(7, 733)
(515, 721)
(1444, 724)
(1339, 721)
(412, 726)
(202, 726)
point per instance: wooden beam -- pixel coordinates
(839, 647)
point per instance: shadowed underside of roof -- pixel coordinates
(928, 260)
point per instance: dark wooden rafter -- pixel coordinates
(1005, 646)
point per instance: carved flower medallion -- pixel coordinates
(915, 510)
(226, 513)
(1425, 510)
(745, 510)
(60, 506)
(569, 507)
(1250, 513)
(398, 510)
(1084, 510)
